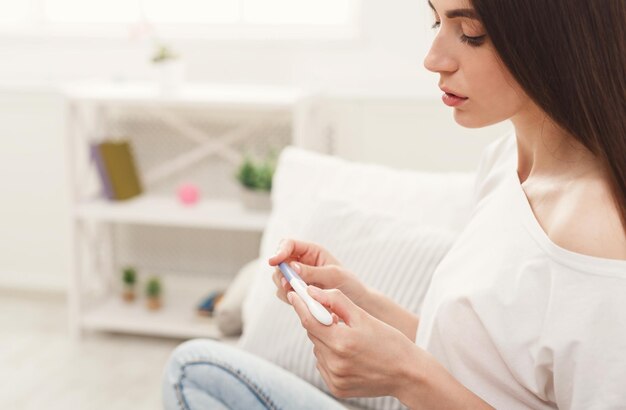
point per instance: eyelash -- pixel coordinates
(472, 41)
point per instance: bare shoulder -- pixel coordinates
(587, 221)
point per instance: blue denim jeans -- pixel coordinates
(205, 374)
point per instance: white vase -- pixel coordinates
(170, 75)
(258, 200)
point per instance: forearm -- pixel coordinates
(426, 384)
(388, 311)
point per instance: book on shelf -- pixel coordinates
(116, 168)
(107, 190)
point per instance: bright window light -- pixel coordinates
(297, 11)
(179, 17)
(191, 11)
(14, 12)
(91, 11)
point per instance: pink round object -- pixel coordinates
(188, 194)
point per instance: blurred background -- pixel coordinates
(192, 101)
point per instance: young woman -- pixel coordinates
(528, 309)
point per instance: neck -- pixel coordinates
(547, 151)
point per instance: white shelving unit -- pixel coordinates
(214, 214)
(199, 135)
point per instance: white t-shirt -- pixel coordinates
(518, 320)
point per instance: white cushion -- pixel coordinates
(228, 310)
(303, 178)
(393, 255)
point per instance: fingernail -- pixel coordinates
(295, 266)
(279, 247)
(314, 290)
(290, 297)
(283, 282)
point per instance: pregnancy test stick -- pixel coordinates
(318, 311)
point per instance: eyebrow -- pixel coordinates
(468, 13)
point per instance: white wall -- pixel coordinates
(405, 133)
(34, 251)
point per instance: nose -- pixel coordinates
(439, 58)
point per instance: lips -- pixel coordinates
(449, 91)
(451, 98)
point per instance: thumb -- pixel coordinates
(325, 276)
(337, 302)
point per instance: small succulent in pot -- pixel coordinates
(170, 69)
(257, 175)
(256, 181)
(163, 53)
(129, 277)
(153, 293)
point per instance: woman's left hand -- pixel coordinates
(361, 356)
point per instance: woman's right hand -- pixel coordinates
(316, 266)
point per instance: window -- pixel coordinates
(197, 18)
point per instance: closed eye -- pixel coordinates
(472, 41)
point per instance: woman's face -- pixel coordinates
(469, 66)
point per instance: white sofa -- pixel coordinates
(332, 201)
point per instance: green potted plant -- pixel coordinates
(129, 277)
(170, 68)
(163, 53)
(256, 181)
(153, 293)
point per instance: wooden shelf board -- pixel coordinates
(258, 97)
(154, 210)
(176, 318)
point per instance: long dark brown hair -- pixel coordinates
(569, 56)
